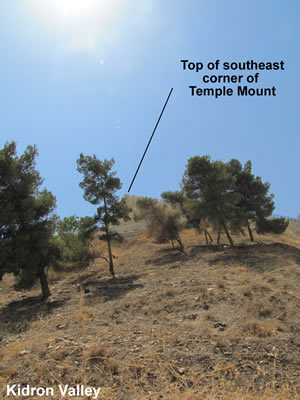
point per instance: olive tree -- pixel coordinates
(163, 223)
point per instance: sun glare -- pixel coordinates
(75, 8)
(80, 24)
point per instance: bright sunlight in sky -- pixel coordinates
(73, 11)
(80, 23)
(77, 8)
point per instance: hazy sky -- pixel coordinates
(92, 76)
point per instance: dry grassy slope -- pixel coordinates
(218, 323)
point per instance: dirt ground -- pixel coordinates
(218, 323)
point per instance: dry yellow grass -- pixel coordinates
(216, 324)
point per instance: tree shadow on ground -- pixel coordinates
(84, 278)
(18, 315)
(109, 289)
(210, 248)
(261, 256)
(168, 256)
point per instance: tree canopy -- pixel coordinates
(27, 221)
(100, 185)
(226, 196)
(255, 203)
(211, 187)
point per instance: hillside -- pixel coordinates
(219, 323)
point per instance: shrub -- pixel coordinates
(73, 240)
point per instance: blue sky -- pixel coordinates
(92, 76)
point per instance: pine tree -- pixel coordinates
(100, 186)
(211, 186)
(27, 222)
(256, 204)
(274, 225)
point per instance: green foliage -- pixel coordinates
(224, 196)
(254, 199)
(163, 224)
(191, 209)
(174, 265)
(26, 218)
(255, 203)
(275, 225)
(100, 185)
(176, 198)
(74, 236)
(210, 188)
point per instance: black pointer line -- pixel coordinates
(136, 172)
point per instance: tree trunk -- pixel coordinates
(250, 232)
(205, 234)
(210, 238)
(219, 237)
(110, 256)
(181, 247)
(227, 232)
(44, 283)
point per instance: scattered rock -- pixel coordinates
(220, 325)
